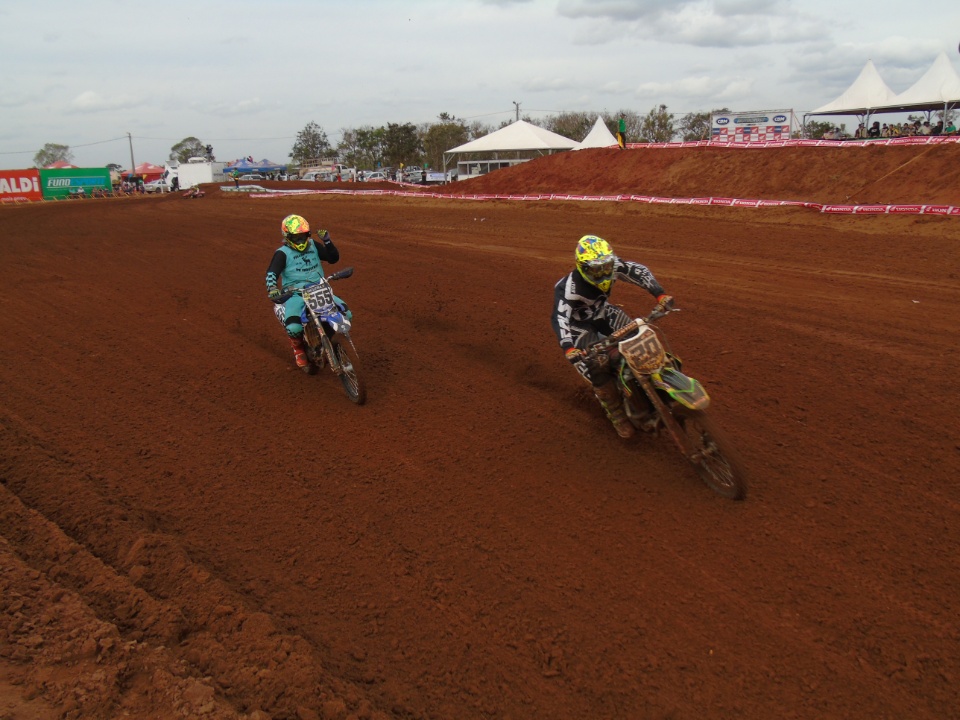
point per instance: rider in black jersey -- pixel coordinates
(582, 316)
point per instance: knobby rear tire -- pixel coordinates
(346, 354)
(719, 465)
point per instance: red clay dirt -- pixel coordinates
(192, 528)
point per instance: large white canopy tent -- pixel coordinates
(598, 137)
(937, 89)
(518, 138)
(867, 93)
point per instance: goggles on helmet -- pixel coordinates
(298, 241)
(599, 269)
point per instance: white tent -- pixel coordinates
(520, 135)
(598, 137)
(867, 93)
(515, 139)
(937, 89)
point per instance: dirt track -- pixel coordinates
(189, 527)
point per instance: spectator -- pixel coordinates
(924, 129)
(950, 129)
(236, 177)
(622, 132)
(884, 131)
(874, 131)
(938, 128)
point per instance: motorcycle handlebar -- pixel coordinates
(618, 335)
(290, 292)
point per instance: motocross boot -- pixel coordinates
(611, 402)
(300, 353)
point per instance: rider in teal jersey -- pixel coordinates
(296, 263)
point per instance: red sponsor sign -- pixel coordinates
(20, 185)
(867, 209)
(936, 209)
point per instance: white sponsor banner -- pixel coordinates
(751, 127)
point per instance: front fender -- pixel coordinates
(685, 390)
(336, 321)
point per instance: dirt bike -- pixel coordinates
(657, 396)
(326, 333)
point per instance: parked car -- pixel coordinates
(157, 185)
(252, 176)
(311, 176)
(376, 177)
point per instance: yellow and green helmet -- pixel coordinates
(296, 232)
(595, 261)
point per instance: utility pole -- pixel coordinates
(518, 109)
(133, 167)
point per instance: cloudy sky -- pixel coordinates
(246, 76)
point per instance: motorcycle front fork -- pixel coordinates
(322, 350)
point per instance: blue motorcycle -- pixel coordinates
(326, 334)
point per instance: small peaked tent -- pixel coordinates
(148, 171)
(867, 93)
(269, 166)
(244, 165)
(598, 137)
(937, 89)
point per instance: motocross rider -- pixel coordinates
(296, 263)
(582, 316)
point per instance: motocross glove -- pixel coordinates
(273, 293)
(665, 302)
(574, 355)
(323, 236)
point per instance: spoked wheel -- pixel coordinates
(712, 454)
(346, 355)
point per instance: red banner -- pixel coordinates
(20, 185)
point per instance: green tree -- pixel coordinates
(815, 129)
(187, 148)
(697, 125)
(51, 153)
(401, 144)
(657, 126)
(312, 142)
(361, 147)
(573, 125)
(448, 133)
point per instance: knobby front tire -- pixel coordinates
(353, 384)
(715, 459)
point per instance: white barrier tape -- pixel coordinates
(873, 209)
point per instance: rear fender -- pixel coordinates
(685, 390)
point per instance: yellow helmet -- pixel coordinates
(595, 261)
(296, 232)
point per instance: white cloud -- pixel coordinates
(89, 102)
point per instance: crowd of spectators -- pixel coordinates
(893, 130)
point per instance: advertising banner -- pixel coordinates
(20, 185)
(750, 127)
(72, 182)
